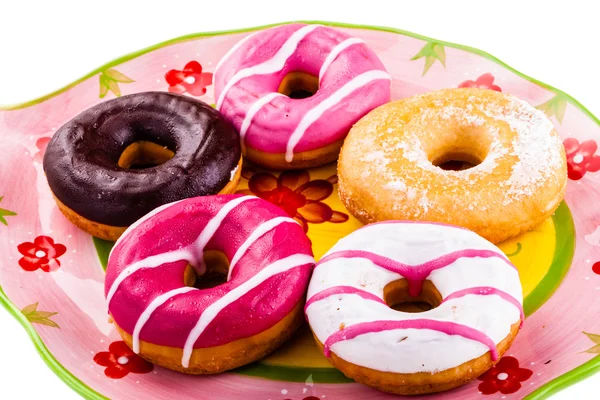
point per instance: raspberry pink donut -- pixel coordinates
(294, 91)
(159, 290)
(474, 291)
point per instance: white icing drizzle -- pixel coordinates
(193, 255)
(266, 99)
(148, 262)
(211, 227)
(145, 316)
(234, 49)
(274, 64)
(139, 222)
(254, 236)
(336, 52)
(209, 314)
(314, 114)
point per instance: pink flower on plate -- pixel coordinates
(41, 145)
(191, 79)
(581, 158)
(485, 81)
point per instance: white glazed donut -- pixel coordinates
(475, 291)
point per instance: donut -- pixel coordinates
(160, 282)
(122, 158)
(294, 91)
(474, 290)
(391, 164)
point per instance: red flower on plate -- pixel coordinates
(120, 360)
(596, 267)
(191, 79)
(42, 253)
(41, 145)
(505, 377)
(581, 158)
(293, 191)
(485, 81)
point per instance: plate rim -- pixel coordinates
(557, 384)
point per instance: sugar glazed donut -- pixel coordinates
(474, 289)
(157, 273)
(262, 84)
(122, 158)
(388, 167)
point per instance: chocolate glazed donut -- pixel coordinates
(121, 159)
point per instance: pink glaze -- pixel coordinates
(177, 231)
(353, 81)
(414, 274)
(449, 328)
(486, 291)
(332, 291)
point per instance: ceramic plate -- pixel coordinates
(52, 274)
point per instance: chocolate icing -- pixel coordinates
(81, 159)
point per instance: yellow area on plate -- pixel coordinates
(532, 253)
(535, 255)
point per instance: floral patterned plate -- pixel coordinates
(51, 273)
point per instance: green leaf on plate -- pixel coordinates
(439, 50)
(596, 339)
(114, 87)
(432, 51)
(39, 317)
(117, 76)
(5, 213)
(109, 81)
(103, 87)
(555, 107)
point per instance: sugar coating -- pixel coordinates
(535, 150)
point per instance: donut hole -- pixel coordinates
(215, 274)
(456, 161)
(299, 85)
(144, 154)
(459, 148)
(396, 296)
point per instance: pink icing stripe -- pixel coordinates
(449, 328)
(341, 290)
(414, 274)
(485, 291)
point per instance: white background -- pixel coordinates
(47, 45)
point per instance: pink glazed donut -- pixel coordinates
(294, 91)
(163, 305)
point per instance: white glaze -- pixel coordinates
(423, 350)
(254, 236)
(336, 52)
(215, 308)
(139, 222)
(266, 99)
(145, 316)
(270, 66)
(211, 227)
(148, 262)
(314, 114)
(234, 48)
(192, 255)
